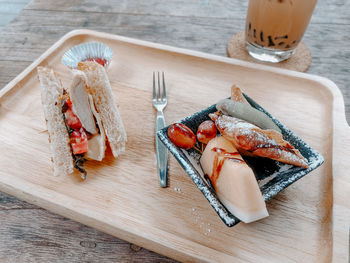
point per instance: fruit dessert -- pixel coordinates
(236, 129)
(233, 180)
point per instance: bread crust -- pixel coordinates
(51, 98)
(99, 87)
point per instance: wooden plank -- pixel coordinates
(201, 32)
(61, 240)
(209, 35)
(10, 69)
(5, 2)
(332, 11)
(5, 19)
(11, 7)
(9, 10)
(183, 8)
(8, 202)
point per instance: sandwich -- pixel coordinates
(82, 119)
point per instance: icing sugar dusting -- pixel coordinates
(264, 143)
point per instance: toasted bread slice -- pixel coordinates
(51, 92)
(99, 87)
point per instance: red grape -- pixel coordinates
(181, 136)
(206, 131)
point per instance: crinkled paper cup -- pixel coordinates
(97, 51)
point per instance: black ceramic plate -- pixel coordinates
(272, 176)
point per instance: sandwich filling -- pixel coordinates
(83, 123)
(77, 134)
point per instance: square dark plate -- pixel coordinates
(272, 176)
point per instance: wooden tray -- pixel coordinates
(308, 221)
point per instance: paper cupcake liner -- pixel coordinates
(88, 51)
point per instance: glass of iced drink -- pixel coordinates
(275, 27)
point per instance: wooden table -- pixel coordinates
(31, 234)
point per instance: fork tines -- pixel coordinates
(156, 94)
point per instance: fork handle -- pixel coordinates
(162, 152)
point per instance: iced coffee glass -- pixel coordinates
(275, 27)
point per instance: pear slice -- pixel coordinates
(233, 180)
(246, 112)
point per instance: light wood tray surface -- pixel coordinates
(308, 221)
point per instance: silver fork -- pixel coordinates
(159, 102)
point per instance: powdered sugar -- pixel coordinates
(264, 143)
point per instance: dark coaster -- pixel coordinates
(300, 61)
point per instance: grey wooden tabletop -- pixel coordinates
(31, 234)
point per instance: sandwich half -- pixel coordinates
(51, 99)
(100, 89)
(81, 119)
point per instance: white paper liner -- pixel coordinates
(86, 51)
